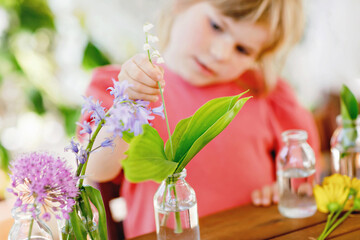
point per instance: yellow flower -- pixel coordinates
(355, 185)
(338, 179)
(330, 197)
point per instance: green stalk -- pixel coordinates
(178, 228)
(163, 102)
(30, 228)
(82, 167)
(338, 222)
(327, 225)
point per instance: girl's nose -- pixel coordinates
(221, 48)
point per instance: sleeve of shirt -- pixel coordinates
(101, 80)
(287, 113)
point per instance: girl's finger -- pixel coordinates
(137, 74)
(256, 197)
(275, 191)
(266, 195)
(136, 95)
(141, 88)
(149, 69)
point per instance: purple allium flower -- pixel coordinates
(44, 180)
(86, 128)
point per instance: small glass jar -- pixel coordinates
(295, 168)
(26, 225)
(90, 226)
(175, 208)
(345, 147)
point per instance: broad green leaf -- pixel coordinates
(190, 129)
(127, 136)
(146, 158)
(95, 197)
(77, 224)
(85, 205)
(176, 137)
(349, 105)
(211, 132)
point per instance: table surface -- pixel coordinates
(249, 222)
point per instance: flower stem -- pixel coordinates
(163, 101)
(30, 228)
(178, 228)
(327, 225)
(338, 223)
(82, 167)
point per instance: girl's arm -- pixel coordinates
(105, 164)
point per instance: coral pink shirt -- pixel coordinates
(239, 160)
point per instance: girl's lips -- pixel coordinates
(203, 68)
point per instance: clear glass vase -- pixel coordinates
(26, 225)
(295, 169)
(345, 147)
(90, 227)
(175, 208)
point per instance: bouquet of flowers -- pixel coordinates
(147, 159)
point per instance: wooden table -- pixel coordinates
(249, 222)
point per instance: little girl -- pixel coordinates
(214, 48)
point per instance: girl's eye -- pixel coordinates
(242, 50)
(215, 26)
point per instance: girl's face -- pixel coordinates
(207, 47)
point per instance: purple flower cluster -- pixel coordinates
(43, 180)
(125, 115)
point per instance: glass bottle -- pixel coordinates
(24, 221)
(175, 208)
(345, 147)
(295, 165)
(90, 227)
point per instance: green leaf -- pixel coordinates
(77, 224)
(193, 133)
(146, 158)
(349, 105)
(127, 136)
(93, 57)
(96, 199)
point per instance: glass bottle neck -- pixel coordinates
(294, 136)
(23, 214)
(177, 176)
(348, 123)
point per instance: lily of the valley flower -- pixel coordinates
(147, 27)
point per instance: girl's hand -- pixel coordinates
(266, 196)
(143, 78)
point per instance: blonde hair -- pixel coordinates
(283, 17)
